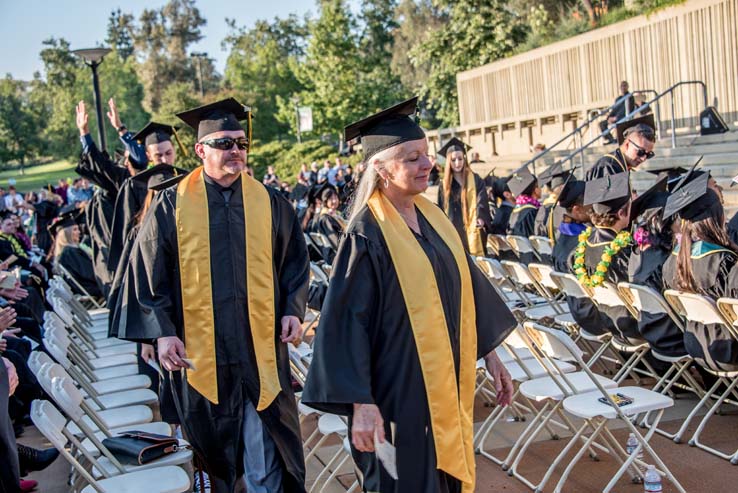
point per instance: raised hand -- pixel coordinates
(113, 114)
(82, 118)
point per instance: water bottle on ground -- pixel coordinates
(631, 445)
(652, 481)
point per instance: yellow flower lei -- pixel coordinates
(622, 240)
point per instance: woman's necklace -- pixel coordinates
(414, 224)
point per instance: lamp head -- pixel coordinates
(92, 56)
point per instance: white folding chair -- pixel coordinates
(51, 423)
(644, 301)
(542, 245)
(521, 276)
(499, 245)
(522, 247)
(550, 391)
(46, 369)
(702, 310)
(498, 277)
(597, 414)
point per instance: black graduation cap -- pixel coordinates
(653, 198)
(456, 143)
(522, 182)
(154, 133)
(692, 200)
(156, 175)
(609, 193)
(169, 182)
(675, 183)
(622, 129)
(388, 128)
(324, 189)
(119, 154)
(554, 176)
(216, 117)
(299, 192)
(316, 191)
(573, 189)
(66, 220)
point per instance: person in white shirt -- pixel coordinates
(13, 200)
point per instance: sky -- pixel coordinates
(24, 24)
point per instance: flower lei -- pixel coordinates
(527, 200)
(622, 240)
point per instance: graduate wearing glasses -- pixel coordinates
(636, 139)
(219, 279)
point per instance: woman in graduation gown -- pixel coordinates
(524, 186)
(406, 317)
(704, 262)
(70, 254)
(653, 242)
(329, 222)
(463, 196)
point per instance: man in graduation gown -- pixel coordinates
(610, 198)
(157, 139)
(636, 139)
(109, 176)
(219, 275)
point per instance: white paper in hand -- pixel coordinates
(387, 455)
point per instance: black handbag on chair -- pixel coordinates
(138, 447)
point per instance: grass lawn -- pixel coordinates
(36, 177)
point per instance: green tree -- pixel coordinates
(19, 139)
(120, 33)
(161, 39)
(416, 20)
(475, 32)
(260, 69)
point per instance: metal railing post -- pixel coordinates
(673, 123)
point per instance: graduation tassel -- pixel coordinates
(179, 142)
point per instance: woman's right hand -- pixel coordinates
(367, 419)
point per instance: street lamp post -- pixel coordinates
(199, 56)
(93, 57)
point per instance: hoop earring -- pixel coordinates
(386, 183)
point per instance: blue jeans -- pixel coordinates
(263, 470)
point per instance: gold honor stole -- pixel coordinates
(451, 406)
(473, 235)
(193, 240)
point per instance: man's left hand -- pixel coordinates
(291, 329)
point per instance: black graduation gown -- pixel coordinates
(79, 265)
(151, 307)
(645, 269)
(131, 197)
(9, 245)
(101, 170)
(331, 229)
(626, 327)
(9, 468)
(522, 223)
(716, 275)
(733, 228)
(501, 220)
(607, 165)
(45, 212)
(584, 312)
(365, 350)
(456, 214)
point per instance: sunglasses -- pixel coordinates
(641, 151)
(226, 143)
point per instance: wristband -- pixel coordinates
(122, 128)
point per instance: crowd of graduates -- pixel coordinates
(673, 235)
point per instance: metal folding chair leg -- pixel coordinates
(695, 440)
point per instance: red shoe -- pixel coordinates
(28, 485)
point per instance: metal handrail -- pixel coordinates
(627, 117)
(624, 98)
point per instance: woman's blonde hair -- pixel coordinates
(62, 239)
(369, 181)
